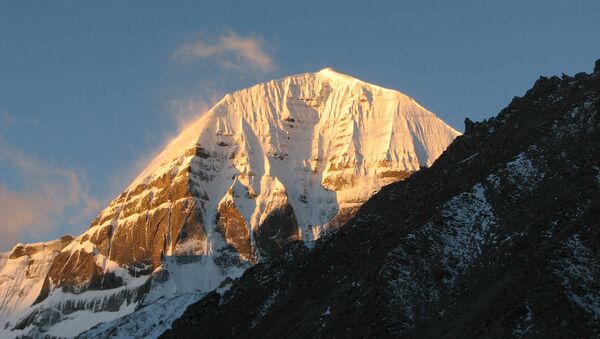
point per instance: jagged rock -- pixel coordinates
(279, 228)
(22, 274)
(232, 226)
(469, 124)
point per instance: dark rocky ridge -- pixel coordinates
(499, 238)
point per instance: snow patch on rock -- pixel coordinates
(468, 221)
(579, 271)
(523, 173)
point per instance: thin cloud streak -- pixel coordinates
(7, 119)
(50, 197)
(231, 51)
(186, 111)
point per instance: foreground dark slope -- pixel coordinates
(498, 238)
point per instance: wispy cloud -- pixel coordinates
(183, 112)
(47, 198)
(230, 51)
(236, 57)
(7, 119)
(186, 110)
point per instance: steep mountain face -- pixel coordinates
(22, 273)
(282, 161)
(499, 238)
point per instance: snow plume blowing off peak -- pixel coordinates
(282, 161)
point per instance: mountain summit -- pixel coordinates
(281, 161)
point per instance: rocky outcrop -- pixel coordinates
(30, 250)
(279, 229)
(138, 228)
(231, 224)
(23, 271)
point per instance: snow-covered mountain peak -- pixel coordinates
(277, 162)
(333, 74)
(309, 102)
(328, 70)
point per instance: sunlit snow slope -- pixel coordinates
(281, 161)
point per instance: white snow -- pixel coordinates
(148, 322)
(494, 180)
(203, 275)
(21, 278)
(264, 308)
(525, 326)
(469, 217)
(77, 245)
(89, 310)
(579, 271)
(523, 172)
(468, 225)
(520, 173)
(80, 321)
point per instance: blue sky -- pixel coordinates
(90, 91)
